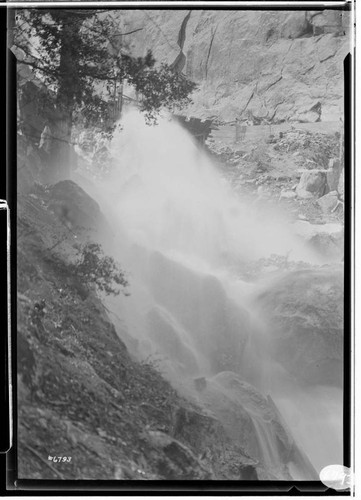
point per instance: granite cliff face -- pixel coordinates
(254, 66)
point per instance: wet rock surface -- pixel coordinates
(218, 325)
(253, 422)
(80, 393)
(304, 311)
(327, 239)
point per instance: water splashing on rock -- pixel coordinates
(181, 233)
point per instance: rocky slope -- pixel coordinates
(87, 408)
(80, 393)
(300, 171)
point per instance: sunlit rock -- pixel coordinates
(328, 202)
(234, 61)
(312, 184)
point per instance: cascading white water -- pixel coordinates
(180, 230)
(170, 198)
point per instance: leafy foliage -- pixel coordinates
(93, 267)
(159, 87)
(76, 53)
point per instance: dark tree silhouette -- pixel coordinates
(73, 52)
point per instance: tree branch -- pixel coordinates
(35, 66)
(101, 32)
(31, 63)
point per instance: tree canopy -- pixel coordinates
(82, 57)
(78, 56)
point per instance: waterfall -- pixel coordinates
(181, 233)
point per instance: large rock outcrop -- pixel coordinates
(259, 66)
(304, 313)
(217, 327)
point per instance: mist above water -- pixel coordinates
(172, 198)
(180, 230)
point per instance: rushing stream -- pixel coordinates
(181, 233)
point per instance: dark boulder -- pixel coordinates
(76, 209)
(175, 459)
